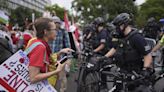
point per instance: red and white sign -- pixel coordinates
(14, 76)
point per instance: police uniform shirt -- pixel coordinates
(101, 39)
(138, 42)
(102, 36)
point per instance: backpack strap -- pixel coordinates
(30, 48)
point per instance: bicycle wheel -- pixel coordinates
(159, 85)
(92, 82)
(80, 80)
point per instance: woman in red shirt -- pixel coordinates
(45, 29)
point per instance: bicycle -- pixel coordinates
(89, 79)
(121, 80)
(86, 74)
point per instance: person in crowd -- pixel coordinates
(100, 46)
(62, 41)
(6, 49)
(100, 43)
(39, 56)
(16, 35)
(132, 52)
(152, 28)
(159, 45)
(123, 30)
(26, 36)
(161, 22)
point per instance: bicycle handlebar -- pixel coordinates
(134, 76)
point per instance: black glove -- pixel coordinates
(102, 58)
(147, 72)
(95, 53)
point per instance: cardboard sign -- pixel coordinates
(14, 76)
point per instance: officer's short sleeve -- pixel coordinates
(103, 36)
(140, 44)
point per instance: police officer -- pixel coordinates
(5, 44)
(152, 29)
(132, 51)
(100, 43)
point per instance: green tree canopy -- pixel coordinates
(59, 11)
(104, 8)
(21, 13)
(151, 8)
(3, 4)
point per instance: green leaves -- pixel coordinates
(56, 9)
(103, 8)
(151, 8)
(20, 14)
(3, 4)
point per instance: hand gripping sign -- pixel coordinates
(14, 76)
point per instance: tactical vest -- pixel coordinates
(126, 55)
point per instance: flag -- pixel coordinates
(66, 21)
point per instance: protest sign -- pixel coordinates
(14, 76)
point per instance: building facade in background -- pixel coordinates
(37, 5)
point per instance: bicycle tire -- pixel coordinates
(80, 81)
(158, 85)
(92, 82)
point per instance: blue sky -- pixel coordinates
(67, 3)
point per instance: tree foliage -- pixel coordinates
(104, 8)
(20, 14)
(3, 4)
(151, 8)
(56, 9)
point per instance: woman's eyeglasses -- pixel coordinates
(52, 29)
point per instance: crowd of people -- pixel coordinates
(53, 43)
(117, 39)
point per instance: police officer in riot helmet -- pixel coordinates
(151, 29)
(100, 43)
(88, 32)
(131, 52)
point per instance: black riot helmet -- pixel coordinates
(123, 18)
(89, 28)
(150, 20)
(99, 21)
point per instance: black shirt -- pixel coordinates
(139, 43)
(140, 46)
(102, 38)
